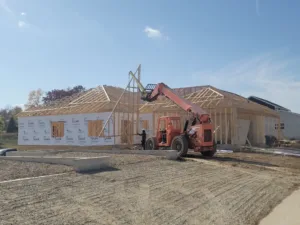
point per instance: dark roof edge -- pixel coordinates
(267, 103)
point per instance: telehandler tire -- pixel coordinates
(210, 153)
(151, 143)
(180, 144)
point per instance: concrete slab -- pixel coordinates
(287, 153)
(32, 153)
(169, 154)
(224, 151)
(80, 164)
(279, 151)
(286, 213)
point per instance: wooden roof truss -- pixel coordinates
(125, 112)
(205, 98)
(96, 95)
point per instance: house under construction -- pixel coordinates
(107, 116)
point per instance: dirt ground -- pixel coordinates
(238, 188)
(253, 160)
(14, 170)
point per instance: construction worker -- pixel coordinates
(143, 141)
(170, 127)
(169, 130)
(163, 136)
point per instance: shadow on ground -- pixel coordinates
(107, 169)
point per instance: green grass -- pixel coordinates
(8, 140)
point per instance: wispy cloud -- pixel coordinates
(5, 7)
(154, 33)
(271, 76)
(19, 19)
(23, 24)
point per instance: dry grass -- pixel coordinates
(8, 140)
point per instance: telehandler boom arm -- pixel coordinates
(151, 92)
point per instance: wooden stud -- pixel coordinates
(234, 125)
(153, 123)
(221, 127)
(226, 126)
(112, 111)
(231, 125)
(216, 125)
(257, 128)
(278, 129)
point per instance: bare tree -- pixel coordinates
(34, 98)
(2, 124)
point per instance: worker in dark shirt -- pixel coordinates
(143, 134)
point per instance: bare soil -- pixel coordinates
(258, 161)
(239, 188)
(10, 170)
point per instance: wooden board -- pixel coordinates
(243, 130)
(95, 127)
(57, 129)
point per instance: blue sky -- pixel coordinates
(247, 47)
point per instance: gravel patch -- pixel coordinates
(151, 190)
(10, 170)
(146, 190)
(116, 160)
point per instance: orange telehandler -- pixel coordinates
(197, 132)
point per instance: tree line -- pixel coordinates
(8, 119)
(8, 115)
(39, 97)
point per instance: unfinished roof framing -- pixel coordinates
(125, 112)
(207, 97)
(125, 105)
(226, 109)
(99, 99)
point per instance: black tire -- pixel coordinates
(180, 144)
(212, 152)
(151, 143)
(208, 153)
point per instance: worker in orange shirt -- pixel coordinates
(170, 127)
(169, 130)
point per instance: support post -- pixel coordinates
(235, 125)
(278, 129)
(226, 126)
(216, 134)
(113, 110)
(231, 125)
(153, 123)
(114, 127)
(257, 128)
(221, 127)
(138, 101)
